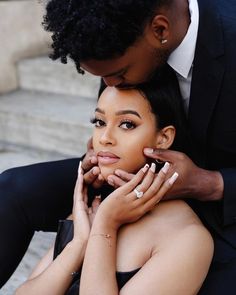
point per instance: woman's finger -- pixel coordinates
(147, 181)
(129, 186)
(95, 204)
(85, 195)
(162, 191)
(157, 183)
(78, 191)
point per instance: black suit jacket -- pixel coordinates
(212, 109)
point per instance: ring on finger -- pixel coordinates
(138, 193)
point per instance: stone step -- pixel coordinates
(43, 74)
(45, 121)
(15, 156)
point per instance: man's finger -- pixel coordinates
(89, 161)
(124, 175)
(115, 181)
(91, 175)
(161, 154)
(99, 181)
(90, 144)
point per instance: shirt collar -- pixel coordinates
(181, 59)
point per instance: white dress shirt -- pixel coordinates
(181, 59)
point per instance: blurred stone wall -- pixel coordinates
(21, 36)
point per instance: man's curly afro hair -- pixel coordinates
(96, 29)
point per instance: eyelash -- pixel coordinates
(95, 120)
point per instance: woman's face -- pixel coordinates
(123, 126)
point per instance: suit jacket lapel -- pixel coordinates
(208, 71)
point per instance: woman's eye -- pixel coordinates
(97, 122)
(127, 125)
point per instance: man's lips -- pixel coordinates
(107, 158)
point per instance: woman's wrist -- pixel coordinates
(104, 222)
(78, 245)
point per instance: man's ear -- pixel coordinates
(165, 137)
(158, 30)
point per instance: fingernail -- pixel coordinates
(80, 168)
(117, 173)
(110, 181)
(153, 167)
(93, 160)
(94, 171)
(100, 177)
(145, 168)
(166, 167)
(148, 150)
(173, 178)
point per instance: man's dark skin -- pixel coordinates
(169, 24)
(211, 129)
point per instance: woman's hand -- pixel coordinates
(126, 205)
(82, 215)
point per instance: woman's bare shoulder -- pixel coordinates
(177, 211)
(174, 217)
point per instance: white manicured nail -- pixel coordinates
(153, 167)
(145, 168)
(80, 168)
(166, 167)
(173, 178)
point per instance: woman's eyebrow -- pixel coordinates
(122, 112)
(100, 111)
(125, 112)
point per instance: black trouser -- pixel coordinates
(32, 198)
(35, 197)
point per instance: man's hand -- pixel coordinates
(193, 182)
(119, 178)
(92, 174)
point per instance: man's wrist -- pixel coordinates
(210, 186)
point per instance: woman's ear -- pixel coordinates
(165, 137)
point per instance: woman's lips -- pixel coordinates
(107, 158)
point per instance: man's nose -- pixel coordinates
(113, 81)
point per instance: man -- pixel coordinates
(124, 42)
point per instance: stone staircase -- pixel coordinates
(48, 116)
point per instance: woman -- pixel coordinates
(129, 243)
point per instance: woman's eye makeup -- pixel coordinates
(97, 122)
(124, 124)
(127, 124)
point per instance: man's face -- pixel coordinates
(136, 66)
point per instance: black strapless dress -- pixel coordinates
(65, 235)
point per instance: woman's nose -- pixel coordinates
(107, 138)
(113, 81)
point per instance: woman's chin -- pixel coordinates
(105, 171)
